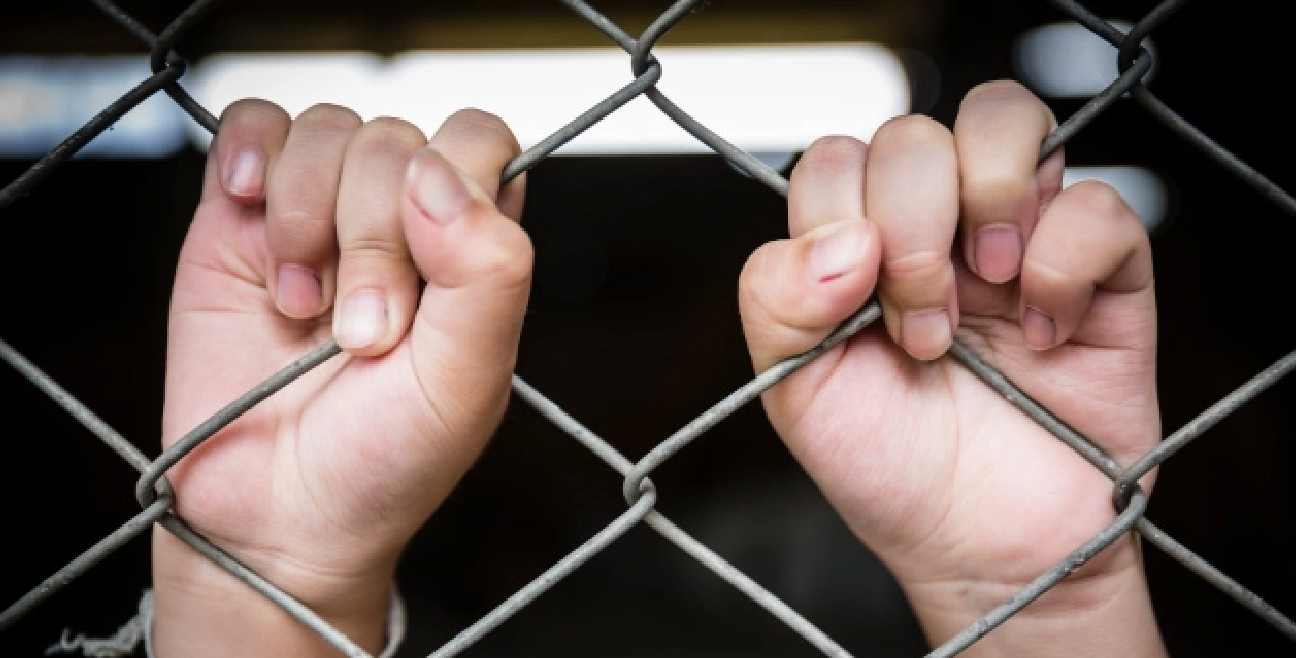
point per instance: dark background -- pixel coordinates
(633, 328)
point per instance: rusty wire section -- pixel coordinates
(155, 494)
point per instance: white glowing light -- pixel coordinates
(1066, 60)
(769, 100)
(772, 99)
(1142, 190)
(293, 81)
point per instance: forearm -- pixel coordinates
(200, 610)
(1103, 616)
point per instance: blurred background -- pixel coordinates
(633, 326)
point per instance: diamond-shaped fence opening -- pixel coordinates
(643, 72)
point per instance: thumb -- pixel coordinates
(477, 264)
(792, 293)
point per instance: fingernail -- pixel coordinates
(998, 252)
(437, 189)
(836, 254)
(362, 319)
(1038, 329)
(299, 291)
(927, 332)
(246, 174)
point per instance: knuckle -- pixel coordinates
(758, 282)
(483, 124)
(1044, 279)
(390, 133)
(299, 222)
(913, 129)
(327, 116)
(1005, 102)
(835, 148)
(1005, 90)
(254, 109)
(923, 265)
(297, 235)
(832, 152)
(993, 183)
(757, 263)
(509, 260)
(1100, 200)
(375, 248)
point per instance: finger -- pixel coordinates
(1088, 239)
(911, 193)
(827, 184)
(477, 263)
(251, 135)
(376, 280)
(997, 134)
(792, 293)
(481, 145)
(301, 199)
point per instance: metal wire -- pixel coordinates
(227, 415)
(708, 558)
(156, 496)
(123, 448)
(557, 572)
(1036, 588)
(60, 154)
(176, 526)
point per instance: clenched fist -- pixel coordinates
(964, 498)
(310, 228)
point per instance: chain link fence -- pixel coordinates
(156, 497)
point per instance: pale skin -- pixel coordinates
(959, 233)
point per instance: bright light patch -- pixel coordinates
(293, 81)
(1143, 190)
(768, 100)
(1066, 60)
(772, 99)
(43, 100)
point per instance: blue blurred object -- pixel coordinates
(45, 99)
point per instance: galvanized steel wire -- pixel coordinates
(156, 496)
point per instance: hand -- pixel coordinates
(962, 496)
(308, 229)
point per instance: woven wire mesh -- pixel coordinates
(155, 495)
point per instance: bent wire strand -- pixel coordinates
(1127, 44)
(1134, 71)
(85, 561)
(124, 448)
(155, 511)
(102, 121)
(1208, 419)
(734, 155)
(176, 526)
(1160, 111)
(330, 348)
(748, 392)
(1108, 466)
(571, 562)
(699, 551)
(1036, 588)
(320, 355)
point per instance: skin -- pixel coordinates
(321, 486)
(959, 494)
(957, 232)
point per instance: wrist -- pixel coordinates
(1101, 612)
(200, 609)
